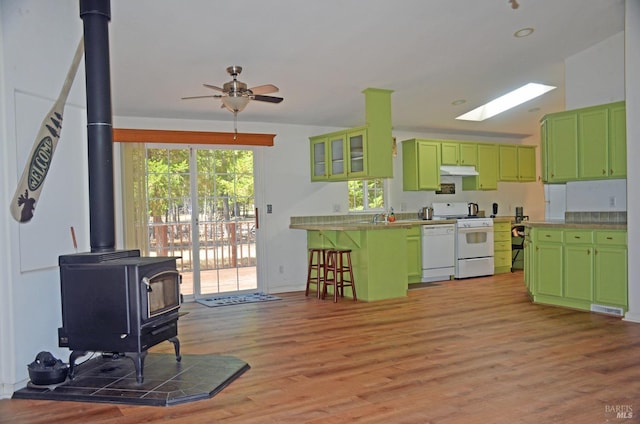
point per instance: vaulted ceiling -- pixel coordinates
(323, 53)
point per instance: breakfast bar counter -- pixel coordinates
(378, 251)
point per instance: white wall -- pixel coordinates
(38, 42)
(632, 70)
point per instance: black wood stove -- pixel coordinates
(118, 303)
(114, 302)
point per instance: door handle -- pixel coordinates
(255, 214)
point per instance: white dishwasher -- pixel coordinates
(438, 252)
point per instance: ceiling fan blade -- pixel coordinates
(201, 97)
(264, 89)
(213, 87)
(270, 99)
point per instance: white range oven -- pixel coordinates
(474, 247)
(473, 239)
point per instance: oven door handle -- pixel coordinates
(462, 230)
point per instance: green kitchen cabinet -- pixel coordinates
(618, 140)
(414, 254)
(508, 162)
(360, 152)
(578, 265)
(584, 144)
(459, 153)
(560, 147)
(420, 165)
(319, 156)
(578, 268)
(610, 269)
(526, 163)
(450, 151)
(502, 254)
(593, 138)
(548, 262)
(487, 178)
(529, 272)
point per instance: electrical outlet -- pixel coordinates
(336, 207)
(269, 209)
(612, 200)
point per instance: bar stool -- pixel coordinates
(334, 273)
(316, 269)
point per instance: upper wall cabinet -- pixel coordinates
(459, 153)
(487, 167)
(357, 153)
(584, 144)
(421, 165)
(517, 163)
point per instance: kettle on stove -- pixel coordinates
(473, 209)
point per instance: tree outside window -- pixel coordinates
(366, 195)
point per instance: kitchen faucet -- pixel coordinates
(376, 216)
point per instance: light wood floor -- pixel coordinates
(470, 351)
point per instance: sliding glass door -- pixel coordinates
(201, 208)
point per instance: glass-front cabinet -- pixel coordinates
(357, 152)
(319, 155)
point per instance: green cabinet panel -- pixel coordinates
(450, 153)
(502, 255)
(420, 165)
(357, 148)
(578, 274)
(517, 163)
(561, 147)
(548, 268)
(319, 156)
(584, 144)
(526, 163)
(469, 154)
(593, 135)
(414, 254)
(508, 163)
(618, 140)
(610, 280)
(487, 169)
(360, 152)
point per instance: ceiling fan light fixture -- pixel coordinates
(235, 103)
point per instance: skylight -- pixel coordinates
(506, 102)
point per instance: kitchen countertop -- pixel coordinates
(365, 226)
(576, 225)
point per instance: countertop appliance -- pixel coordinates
(438, 252)
(425, 213)
(473, 239)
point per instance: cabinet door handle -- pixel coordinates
(595, 252)
(576, 237)
(604, 172)
(588, 251)
(609, 238)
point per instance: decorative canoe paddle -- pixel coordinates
(35, 170)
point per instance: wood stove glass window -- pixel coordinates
(162, 293)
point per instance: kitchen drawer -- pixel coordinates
(502, 259)
(578, 237)
(543, 235)
(501, 226)
(502, 246)
(502, 236)
(611, 237)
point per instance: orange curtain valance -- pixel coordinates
(124, 135)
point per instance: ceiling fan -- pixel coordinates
(235, 94)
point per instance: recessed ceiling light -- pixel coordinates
(524, 32)
(458, 102)
(534, 109)
(506, 102)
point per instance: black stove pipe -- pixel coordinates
(96, 15)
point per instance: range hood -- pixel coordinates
(464, 171)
